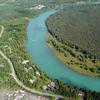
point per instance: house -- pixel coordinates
(39, 7)
(32, 81)
(25, 62)
(52, 85)
(37, 73)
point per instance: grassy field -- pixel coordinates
(77, 39)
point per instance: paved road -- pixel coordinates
(18, 81)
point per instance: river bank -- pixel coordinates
(68, 59)
(37, 48)
(38, 61)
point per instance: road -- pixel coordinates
(2, 30)
(18, 81)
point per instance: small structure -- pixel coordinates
(30, 68)
(38, 7)
(19, 95)
(81, 94)
(37, 73)
(25, 62)
(32, 81)
(52, 85)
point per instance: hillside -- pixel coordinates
(75, 38)
(79, 26)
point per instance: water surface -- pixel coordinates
(46, 60)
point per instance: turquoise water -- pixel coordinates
(44, 58)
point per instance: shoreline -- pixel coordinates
(18, 80)
(62, 58)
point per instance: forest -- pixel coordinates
(13, 17)
(79, 26)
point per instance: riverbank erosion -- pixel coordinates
(74, 35)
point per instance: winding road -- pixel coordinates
(17, 80)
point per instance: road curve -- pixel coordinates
(18, 81)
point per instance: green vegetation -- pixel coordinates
(14, 37)
(6, 80)
(14, 17)
(76, 37)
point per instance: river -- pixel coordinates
(46, 60)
